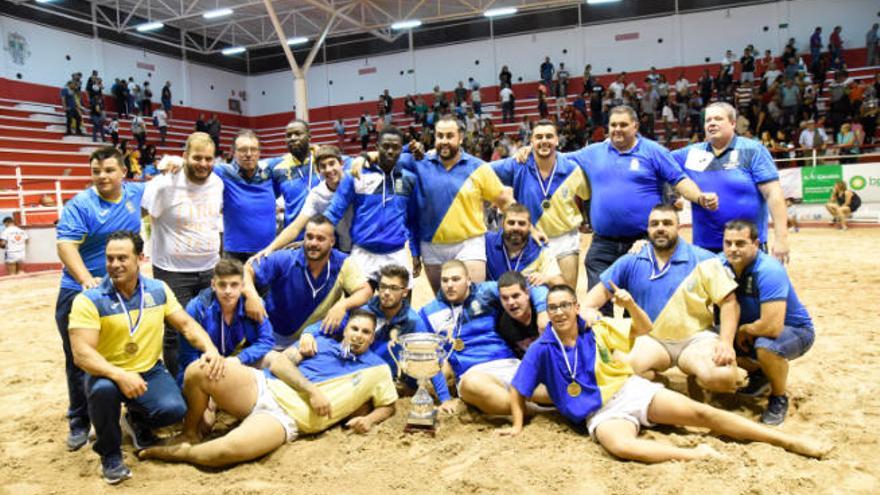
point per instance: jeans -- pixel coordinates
(603, 252)
(185, 287)
(161, 405)
(78, 408)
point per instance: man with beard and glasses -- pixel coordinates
(521, 323)
(314, 282)
(294, 174)
(185, 215)
(678, 285)
(513, 249)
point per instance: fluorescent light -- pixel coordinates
(500, 11)
(297, 41)
(213, 14)
(233, 50)
(45, 1)
(149, 26)
(414, 23)
(595, 2)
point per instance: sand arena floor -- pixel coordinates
(835, 392)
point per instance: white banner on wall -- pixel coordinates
(864, 179)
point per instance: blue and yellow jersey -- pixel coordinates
(99, 309)
(598, 373)
(296, 299)
(450, 202)
(533, 258)
(734, 175)
(248, 208)
(88, 219)
(348, 381)
(678, 297)
(293, 180)
(567, 183)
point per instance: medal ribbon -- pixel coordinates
(571, 371)
(309, 279)
(545, 191)
(133, 326)
(655, 274)
(507, 258)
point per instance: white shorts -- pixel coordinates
(675, 347)
(565, 244)
(502, 369)
(630, 403)
(370, 263)
(266, 404)
(14, 257)
(473, 249)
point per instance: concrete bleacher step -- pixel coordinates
(36, 107)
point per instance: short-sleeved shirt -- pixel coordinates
(567, 183)
(450, 202)
(187, 221)
(348, 381)
(518, 336)
(15, 238)
(88, 219)
(533, 258)
(678, 297)
(99, 309)
(293, 180)
(734, 175)
(296, 299)
(625, 186)
(765, 280)
(317, 202)
(599, 375)
(248, 208)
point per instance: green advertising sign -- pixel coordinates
(819, 181)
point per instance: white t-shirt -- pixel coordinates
(317, 203)
(505, 94)
(187, 221)
(616, 89)
(15, 239)
(160, 117)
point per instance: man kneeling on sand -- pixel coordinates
(588, 385)
(296, 395)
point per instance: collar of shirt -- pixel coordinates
(648, 254)
(631, 151)
(108, 288)
(463, 159)
(237, 315)
(257, 177)
(730, 146)
(373, 306)
(750, 268)
(548, 338)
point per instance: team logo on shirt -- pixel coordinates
(733, 162)
(476, 307)
(129, 206)
(634, 164)
(604, 355)
(564, 191)
(398, 186)
(149, 302)
(356, 379)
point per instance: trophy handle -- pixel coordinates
(392, 341)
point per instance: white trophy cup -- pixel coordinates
(421, 357)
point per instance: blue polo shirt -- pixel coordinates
(245, 338)
(498, 262)
(332, 361)
(599, 375)
(88, 219)
(763, 281)
(385, 209)
(473, 321)
(293, 180)
(734, 175)
(248, 209)
(625, 186)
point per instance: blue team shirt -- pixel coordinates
(734, 175)
(245, 338)
(763, 281)
(625, 186)
(248, 209)
(528, 186)
(293, 180)
(333, 360)
(88, 219)
(497, 262)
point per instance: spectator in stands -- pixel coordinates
(166, 97)
(542, 101)
(562, 78)
(589, 80)
(139, 129)
(506, 95)
(648, 109)
(747, 66)
(214, 129)
(842, 204)
(97, 118)
(835, 43)
(118, 91)
(547, 71)
(114, 131)
(816, 46)
(70, 100)
(869, 111)
(387, 102)
(339, 127)
(706, 84)
(364, 132)
(838, 94)
(476, 99)
(460, 94)
(871, 46)
(14, 240)
(160, 120)
(409, 106)
(505, 77)
(846, 143)
(812, 137)
(134, 95)
(616, 90)
(725, 75)
(92, 89)
(147, 99)
(791, 100)
(596, 107)
(147, 160)
(421, 110)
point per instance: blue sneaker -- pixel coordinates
(78, 436)
(758, 385)
(113, 469)
(777, 408)
(141, 436)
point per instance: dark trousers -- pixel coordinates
(507, 111)
(603, 252)
(74, 121)
(161, 405)
(78, 408)
(185, 286)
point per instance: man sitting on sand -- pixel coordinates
(588, 385)
(301, 394)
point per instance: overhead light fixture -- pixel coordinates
(45, 1)
(149, 26)
(297, 41)
(596, 2)
(213, 14)
(500, 12)
(414, 23)
(233, 50)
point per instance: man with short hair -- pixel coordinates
(185, 215)
(305, 285)
(219, 309)
(815, 46)
(86, 221)
(299, 394)
(774, 327)
(14, 241)
(160, 119)
(547, 71)
(522, 322)
(591, 388)
(513, 249)
(294, 173)
(116, 336)
(678, 285)
(742, 173)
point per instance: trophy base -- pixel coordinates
(417, 428)
(423, 424)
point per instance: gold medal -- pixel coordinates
(458, 345)
(573, 389)
(545, 204)
(131, 348)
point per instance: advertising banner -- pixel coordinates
(819, 181)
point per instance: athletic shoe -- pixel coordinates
(113, 469)
(777, 408)
(758, 385)
(78, 437)
(141, 436)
